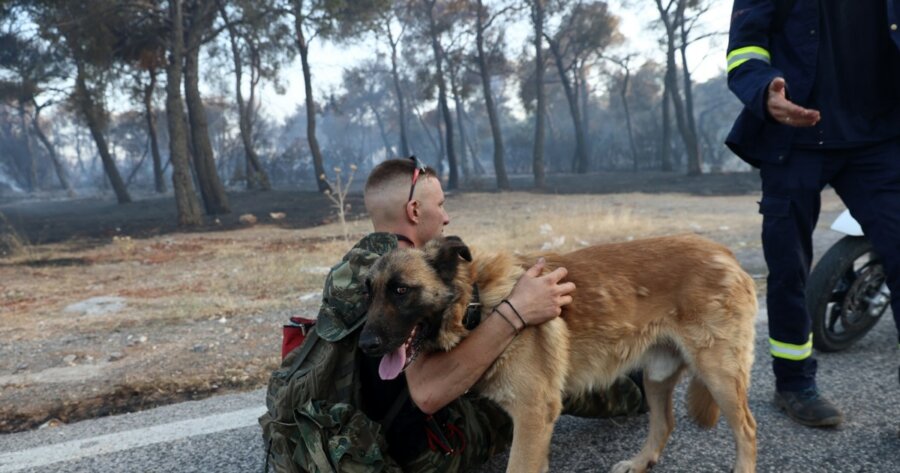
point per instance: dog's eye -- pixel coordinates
(401, 290)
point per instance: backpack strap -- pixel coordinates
(395, 409)
(311, 338)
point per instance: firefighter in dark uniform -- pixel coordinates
(820, 83)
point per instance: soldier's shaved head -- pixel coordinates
(419, 216)
(387, 189)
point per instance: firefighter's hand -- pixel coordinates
(786, 112)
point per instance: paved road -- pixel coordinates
(220, 434)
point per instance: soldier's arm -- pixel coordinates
(437, 379)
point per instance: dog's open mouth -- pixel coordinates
(395, 362)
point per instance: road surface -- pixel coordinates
(221, 434)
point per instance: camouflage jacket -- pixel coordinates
(343, 302)
(313, 423)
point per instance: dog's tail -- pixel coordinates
(701, 405)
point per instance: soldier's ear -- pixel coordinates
(444, 254)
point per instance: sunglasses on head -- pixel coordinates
(420, 169)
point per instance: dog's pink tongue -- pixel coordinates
(392, 363)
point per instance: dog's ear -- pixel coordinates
(456, 244)
(445, 254)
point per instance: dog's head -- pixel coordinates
(409, 293)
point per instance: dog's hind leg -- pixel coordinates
(661, 375)
(728, 383)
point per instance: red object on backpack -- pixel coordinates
(294, 333)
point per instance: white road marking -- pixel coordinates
(127, 440)
(64, 374)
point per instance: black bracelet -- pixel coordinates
(506, 301)
(507, 321)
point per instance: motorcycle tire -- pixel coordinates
(842, 294)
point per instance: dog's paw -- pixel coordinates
(632, 466)
(623, 467)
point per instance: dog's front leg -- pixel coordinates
(533, 420)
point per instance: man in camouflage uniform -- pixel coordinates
(434, 425)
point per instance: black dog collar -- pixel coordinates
(473, 311)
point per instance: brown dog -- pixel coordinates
(665, 305)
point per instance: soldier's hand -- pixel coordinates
(786, 112)
(540, 298)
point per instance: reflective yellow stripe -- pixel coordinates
(789, 351)
(742, 55)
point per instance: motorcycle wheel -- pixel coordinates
(846, 294)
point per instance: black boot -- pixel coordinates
(809, 408)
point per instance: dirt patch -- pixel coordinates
(96, 220)
(197, 313)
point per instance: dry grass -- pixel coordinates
(521, 222)
(184, 277)
(202, 311)
(12, 243)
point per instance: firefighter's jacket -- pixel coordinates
(762, 47)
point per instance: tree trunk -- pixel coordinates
(710, 146)
(303, 46)
(88, 109)
(665, 147)
(463, 156)
(6, 135)
(401, 100)
(384, 137)
(477, 168)
(255, 173)
(690, 141)
(159, 179)
(580, 163)
(211, 189)
(695, 156)
(29, 150)
(54, 158)
(585, 95)
(671, 78)
(185, 199)
(434, 145)
(442, 154)
(554, 138)
(496, 133)
(537, 13)
(624, 93)
(452, 181)
(249, 114)
(136, 168)
(78, 149)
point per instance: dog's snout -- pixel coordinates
(370, 343)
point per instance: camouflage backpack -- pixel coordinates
(313, 422)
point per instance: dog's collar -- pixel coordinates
(473, 311)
